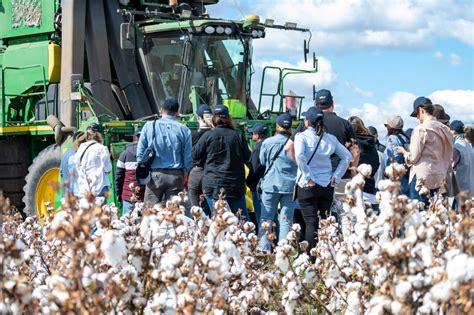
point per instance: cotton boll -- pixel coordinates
(353, 304)
(396, 307)
(402, 289)
(365, 170)
(442, 292)
(460, 268)
(114, 248)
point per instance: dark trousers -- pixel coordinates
(315, 203)
(163, 184)
(414, 194)
(195, 189)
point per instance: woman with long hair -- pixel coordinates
(278, 181)
(315, 177)
(368, 155)
(396, 137)
(93, 163)
(224, 151)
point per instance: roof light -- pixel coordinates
(269, 22)
(228, 30)
(254, 33)
(260, 33)
(220, 30)
(210, 30)
(290, 25)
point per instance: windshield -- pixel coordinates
(163, 67)
(216, 69)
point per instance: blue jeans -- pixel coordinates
(234, 204)
(127, 207)
(257, 205)
(414, 194)
(270, 211)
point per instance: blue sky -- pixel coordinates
(376, 56)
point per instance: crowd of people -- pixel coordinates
(304, 170)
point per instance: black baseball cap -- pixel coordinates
(323, 98)
(171, 104)
(420, 101)
(259, 129)
(95, 127)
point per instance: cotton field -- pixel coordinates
(86, 259)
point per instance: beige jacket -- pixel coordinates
(431, 150)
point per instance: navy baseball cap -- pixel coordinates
(420, 101)
(95, 127)
(138, 132)
(203, 109)
(372, 130)
(171, 104)
(259, 129)
(284, 120)
(323, 98)
(457, 126)
(221, 111)
(314, 114)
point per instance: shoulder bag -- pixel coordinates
(143, 170)
(259, 184)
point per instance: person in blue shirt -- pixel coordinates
(315, 177)
(278, 181)
(64, 166)
(172, 144)
(396, 138)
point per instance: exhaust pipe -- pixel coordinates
(59, 129)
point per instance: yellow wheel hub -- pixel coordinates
(45, 192)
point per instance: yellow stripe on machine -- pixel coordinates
(115, 124)
(24, 129)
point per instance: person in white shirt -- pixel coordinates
(315, 177)
(93, 164)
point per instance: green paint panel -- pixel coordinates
(26, 17)
(18, 81)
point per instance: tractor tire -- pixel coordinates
(38, 189)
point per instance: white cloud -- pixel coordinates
(459, 104)
(358, 91)
(454, 59)
(355, 25)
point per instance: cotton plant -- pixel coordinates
(157, 260)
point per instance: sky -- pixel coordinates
(376, 56)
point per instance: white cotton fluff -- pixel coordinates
(281, 261)
(60, 218)
(353, 304)
(442, 291)
(460, 268)
(365, 170)
(396, 307)
(114, 248)
(402, 289)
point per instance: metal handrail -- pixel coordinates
(27, 109)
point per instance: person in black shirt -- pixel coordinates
(224, 151)
(259, 133)
(368, 155)
(204, 118)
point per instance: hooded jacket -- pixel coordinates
(368, 155)
(431, 150)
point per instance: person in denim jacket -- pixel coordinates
(396, 138)
(277, 184)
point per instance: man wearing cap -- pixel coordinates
(431, 149)
(127, 189)
(259, 133)
(173, 160)
(204, 118)
(464, 165)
